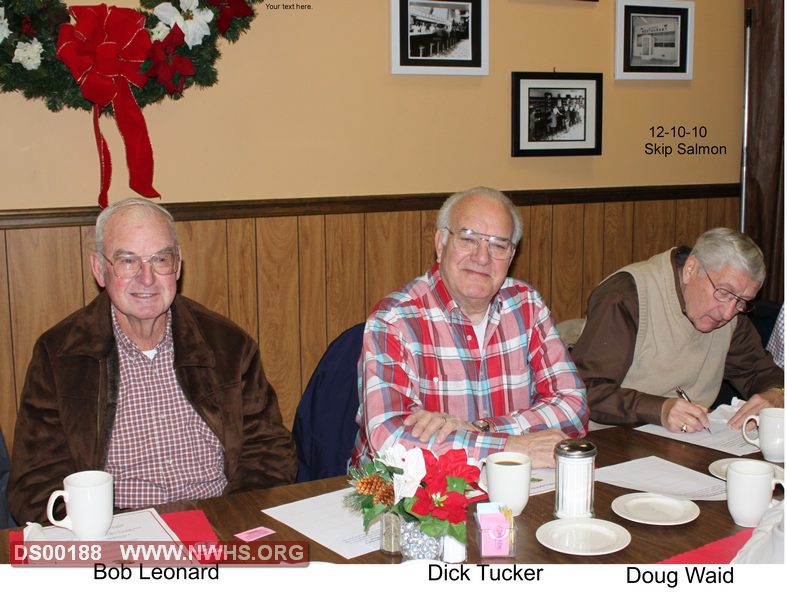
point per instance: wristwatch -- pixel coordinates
(482, 425)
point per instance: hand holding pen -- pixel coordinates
(685, 396)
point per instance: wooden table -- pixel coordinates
(649, 544)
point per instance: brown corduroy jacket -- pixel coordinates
(68, 403)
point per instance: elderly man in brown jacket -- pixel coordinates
(167, 396)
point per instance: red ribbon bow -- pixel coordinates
(104, 50)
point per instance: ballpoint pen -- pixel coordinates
(685, 396)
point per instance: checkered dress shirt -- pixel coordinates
(776, 343)
(421, 352)
(161, 450)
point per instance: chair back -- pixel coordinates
(5, 469)
(324, 427)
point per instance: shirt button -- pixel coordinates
(469, 337)
(435, 379)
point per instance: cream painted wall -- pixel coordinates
(306, 106)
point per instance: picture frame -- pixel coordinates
(439, 37)
(654, 39)
(556, 114)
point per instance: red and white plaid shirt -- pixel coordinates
(161, 450)
(420, 352)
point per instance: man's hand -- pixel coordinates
(754, 405)
(679, 415)
(425, 424)
(539, 446)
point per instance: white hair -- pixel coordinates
(444, 216)
(131, 204)
(722, 246)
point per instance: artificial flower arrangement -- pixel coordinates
(115, 60)
(416, 485)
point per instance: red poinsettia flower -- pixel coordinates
(167, 66)
(434, 500)
(229, 10)
(451, 464)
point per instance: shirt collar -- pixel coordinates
(447, 302)
(128, 347)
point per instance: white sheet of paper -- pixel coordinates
(659, 476)
(326, 520)
(720, 438)
(545, 483)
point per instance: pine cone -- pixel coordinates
(382, 491)
(371, 485)
(385, 495)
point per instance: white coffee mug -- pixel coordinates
(770, 423)
(508, 479)
(89, 499)
(750, 486)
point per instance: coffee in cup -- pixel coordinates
(89, 499)
(508, 479)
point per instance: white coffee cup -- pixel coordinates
(508, 479)
(88, 496)
(750, 486)
(770, 423)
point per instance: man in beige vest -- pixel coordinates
(672, 322)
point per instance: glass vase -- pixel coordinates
(416, 544)
(390, 528)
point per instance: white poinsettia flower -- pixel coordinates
(192, 20)
(28, 54)
(159, 32)
(5, 31)
(411, 462)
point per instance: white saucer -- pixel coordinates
(583, 537)
(718, 468)
(655, 509)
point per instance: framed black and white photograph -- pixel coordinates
(556, 114)
(654, 39)
(440, 37)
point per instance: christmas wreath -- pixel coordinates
(112, 60)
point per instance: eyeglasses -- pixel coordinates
(467, 240)
(128, 266)
(741, 304)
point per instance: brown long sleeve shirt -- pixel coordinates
(604, 353)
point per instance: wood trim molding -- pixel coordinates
(239, 209)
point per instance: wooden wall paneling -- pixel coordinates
(393, 252)
(8, 392)
(344, 272)
(44, 284)
(428, 225)
(567, 245)
(242, 274)
(90, 288)
(618, 235)
(277, 290)
(520, 266)
(540, 253)
(311, 261)
(724, 212)
(654, 228)
(592, 251)
(203, 274)
(691, 219)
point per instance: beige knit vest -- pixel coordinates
(669, 351)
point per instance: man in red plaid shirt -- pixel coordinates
(164, 394)
(465, 357)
